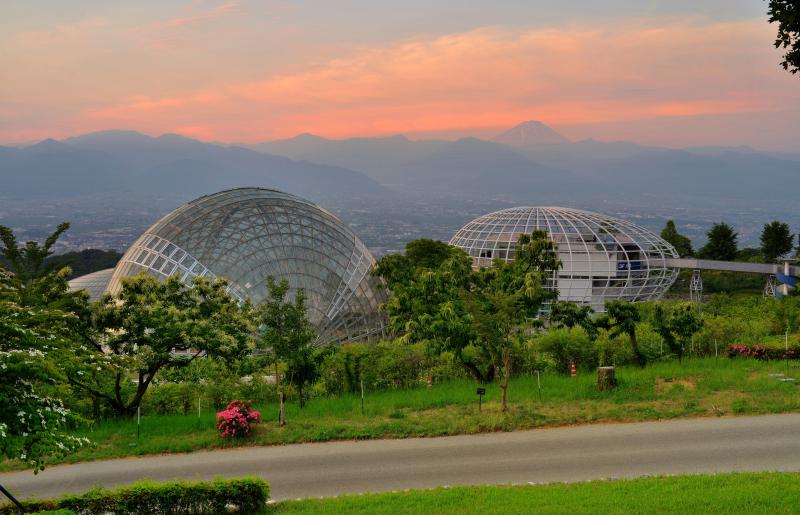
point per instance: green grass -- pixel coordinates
(694, 388)
(769, 492)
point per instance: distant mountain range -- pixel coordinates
(130, 163)
(532, 161)
(529, 163)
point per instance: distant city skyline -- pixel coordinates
(667, 73)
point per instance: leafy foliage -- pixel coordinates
(722, 243)
(246, 494)
(787, 14)
(31, 422)
(677, 325)
(622, 319)
(38, 323)
(288, 334)
(681, 243)
(571, 314)
(152, 325)
(776, 240)
(428, 302)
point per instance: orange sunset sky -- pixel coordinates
(672, 73)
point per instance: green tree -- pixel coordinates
(722, 243)
(622, 319)
(41, 321)
(507, 299)
(429, 301)
(31, 421)
(681, 243)
(787, 14)
(150, 326)
(677, 326)
(776, 240)
(570, 314)
(287, 333)
(28, 263)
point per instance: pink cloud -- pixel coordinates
(489, 77)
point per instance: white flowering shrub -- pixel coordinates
(31, 423)
(40, 321)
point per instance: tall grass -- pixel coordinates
(696, 387)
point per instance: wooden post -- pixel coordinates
(281, 412)
(606, 378)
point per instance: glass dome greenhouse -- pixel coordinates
(603, 258)
(248, 234)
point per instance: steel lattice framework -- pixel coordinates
(246, 235)
(603, 258)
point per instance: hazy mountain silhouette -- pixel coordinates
(530, 133)
(128, 162)
(529, 162)
(467, 166)
(531, 159)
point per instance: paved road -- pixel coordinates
(769, 442)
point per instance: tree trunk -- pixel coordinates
(637, 354)
(606, 378)
(300, 393)
(281, 412)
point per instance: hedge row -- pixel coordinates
(246, 495)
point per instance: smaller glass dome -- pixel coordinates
(603, 258)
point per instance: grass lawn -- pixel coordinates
(769, 492)
(694, 388)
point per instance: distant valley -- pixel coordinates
(113, 184)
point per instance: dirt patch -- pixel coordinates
(665, 385)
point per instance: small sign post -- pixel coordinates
(481, 392)
(138, 421)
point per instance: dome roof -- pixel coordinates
(603, 257)
(248, 234)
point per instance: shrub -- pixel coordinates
(567, 345)
(614, 350)
(761, 352)
(247, 495)
(385, 365)
(237, 419)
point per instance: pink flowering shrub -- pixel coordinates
(237, 419)
(762, 353)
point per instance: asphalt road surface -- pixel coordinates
(770, 442)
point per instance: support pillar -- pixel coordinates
(696, 287)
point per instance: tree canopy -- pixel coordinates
(478, 315)
(776, 240)
(681, 243)
(622, 319)
(287, 333)
(722, 243)
(152, 325)
(39, 324)
(786, 13)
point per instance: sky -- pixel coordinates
(674, 73)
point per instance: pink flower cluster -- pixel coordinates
(237, 419)
(744, 351)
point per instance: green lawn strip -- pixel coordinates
(768, 492)
(696, 387)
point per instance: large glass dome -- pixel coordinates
(603, 258)
(248, 234)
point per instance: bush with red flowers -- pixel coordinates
(237, 419)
